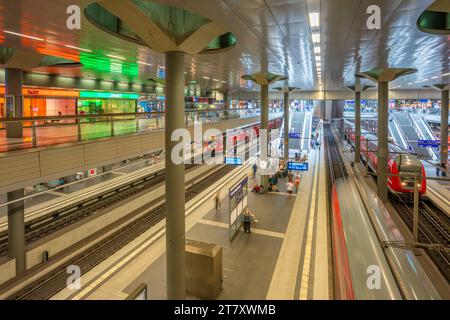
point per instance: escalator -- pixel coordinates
(407, 126)
(425, 133)
(298, 119)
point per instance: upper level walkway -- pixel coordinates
(29, 166)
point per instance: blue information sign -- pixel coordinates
(233, 161)
(161, 73)
(297, 166)
(429, 143)
(294, 135)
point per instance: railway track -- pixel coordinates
(47, 224)
(55, 280)
(434, 228)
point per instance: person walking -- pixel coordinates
(247, 221)
(297, 182)
(217, 201)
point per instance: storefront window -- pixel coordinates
(100, 106)
(34, 107)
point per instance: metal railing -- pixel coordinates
(50, 130)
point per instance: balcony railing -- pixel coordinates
(50, 130)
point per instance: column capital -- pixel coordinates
(358, 88)
(440, 86)
(161, 27)
(385, 74)
(264, 78)
(287, 89)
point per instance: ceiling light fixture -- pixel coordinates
(207, 78)
(314, 20)
(217, 80)
(446, 74)
(23, 35)
(77, 48)
(316, 37)
(144, 63)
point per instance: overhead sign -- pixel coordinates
(294, 135)
(297, 166)
(108, 95)
(233, 161)
(429, 143)
(161, 73)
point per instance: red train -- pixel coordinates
(217, 144)
(399, 163)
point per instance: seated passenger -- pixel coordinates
(256, 189)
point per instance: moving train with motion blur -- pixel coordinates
(399, 163)
(241, 136)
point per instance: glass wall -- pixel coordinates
(100, 106)
(34, 107)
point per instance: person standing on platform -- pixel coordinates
(254, 169)
(247, 221)
(217, 201)
(438, 170)
(289, 187)
(297, 182)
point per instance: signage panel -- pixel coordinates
(297, 166)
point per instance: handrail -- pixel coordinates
(109, 115)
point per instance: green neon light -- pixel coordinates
(108, 95)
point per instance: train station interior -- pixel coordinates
(221, 150)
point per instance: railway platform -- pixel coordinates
(286, 255)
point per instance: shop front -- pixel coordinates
(44, 102)
(151, 103)
(93, 102)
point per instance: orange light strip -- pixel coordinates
(38, 92)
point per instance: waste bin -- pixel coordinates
(203, 269)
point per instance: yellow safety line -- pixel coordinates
(309, 237)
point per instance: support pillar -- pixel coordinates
(16, 229)
(383, 119)
(357, 126)
(383, 77)
(264, 106)
(13, 87)
(264, 126)
(225, 99)
(286, 125)
(444, 127)
(175, 198)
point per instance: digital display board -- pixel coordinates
(233, 161)
(297, 166)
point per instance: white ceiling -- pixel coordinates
(272, 34)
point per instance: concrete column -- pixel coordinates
(383, 118)
(286, 125)
(13, 87)
(357, 126)
(225, 98)
(16, 230)
(264, 106)
(444, 126)
(175, 198)
(264, 126)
